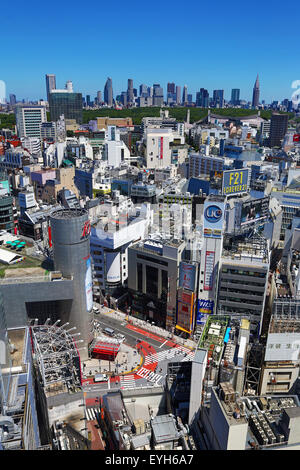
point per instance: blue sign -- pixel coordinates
(235, 181)
(204, 308)
(213, 214)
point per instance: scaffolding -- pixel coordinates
(57, 357)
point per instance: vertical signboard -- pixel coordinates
(161, 148)
(213, 218)
(187, 276)
(185, 311)
(89, 285)
(209, 270)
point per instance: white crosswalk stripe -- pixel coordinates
(127, 381)
(91, 413)
(169, 354)
(149, 375)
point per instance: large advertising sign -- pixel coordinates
(204, 308)
(89, 285)
(235, 181)
(296, 138)
(213, 218)
(187, 276)
(209, 270)
(254, 210)
(185, 311)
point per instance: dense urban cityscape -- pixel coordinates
(149, 231)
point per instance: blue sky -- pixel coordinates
(213, 45)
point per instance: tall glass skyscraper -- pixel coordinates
(64, 102)
(235, 96)
(50, 84)
(108, 92)
(255, 96)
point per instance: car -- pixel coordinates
(100, 378)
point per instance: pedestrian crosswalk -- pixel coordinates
(127, 381)
(91, 413)
(149, 375)
(169, 354)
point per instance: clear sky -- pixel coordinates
(214, 45)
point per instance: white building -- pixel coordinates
(115, 150)
(157, 149)
(29, 119)
(110, 239)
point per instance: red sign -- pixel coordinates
(161, 148)
(296, 138)
(86, 230)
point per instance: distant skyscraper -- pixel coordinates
(130, 95)
(158, 95)
(235, 96)
(99, 97)
(202, 98)
(178, 93)
(278, 128)
(12, 99)
(171, 88)
(50, 83)
(218, 98)
(143, 90)
(108, 92)
(88, 100)
(184, 95)
(255, 96)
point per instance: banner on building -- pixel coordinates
(235, 181)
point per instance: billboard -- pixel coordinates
(204, 308)
(185, 311)
(89, 285)
(187, 276)
(213, 218)
(254, 210)
(235, 181)
(209, 270)
(296, 138)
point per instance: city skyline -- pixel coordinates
(154, 60)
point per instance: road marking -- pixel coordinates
(163, 343)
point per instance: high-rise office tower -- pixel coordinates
(143, 90)
(88, 100)
(108, 92)
(29, 119)
(50, 84)
(171, 88)
(235, 96)
(130, 95)
(202, 98)
(12, 99)
(99, 97)
(218, 98)
(67, 103)
(278, 128)
(158, 95)
(184, 95)
(124, 98)
(178, 93)
(255, 96)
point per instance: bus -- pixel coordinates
(109, 331)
